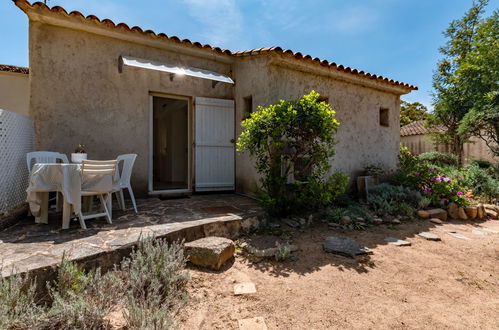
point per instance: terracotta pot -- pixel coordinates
(471, 211)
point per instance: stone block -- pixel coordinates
(345, 246)
(453, 210)
(462, 214)
(437, 213)
(423, 214)
(429, 236)
(491, 214)
(397, 242)
(254, 323)
(244, 288)
(471, 211)
(210, 252)
(436, 220)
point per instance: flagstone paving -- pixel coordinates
(28, 246)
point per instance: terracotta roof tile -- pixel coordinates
(275, 49)
(309, 58)
(13, 68)
(417, 128)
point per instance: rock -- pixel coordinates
(480, 211)
(274, 225)
(359, 219)
(269, 252)
(302, 221)
(436, 220)
(344, 246)
(291, 223)
(456, 235)
(334, 224)
(404, 218)
(210, 252)
(377, 221)
(244, 288)
(430, 236)
(423, 214)
(345, 220)
(396, 221)
(491, 230)
(471, 211)
(255, 323)
(492, 207)
(438, 213)
(397, 242)
(491, 214)
(478, 232)
(453, 210)
(462, 214)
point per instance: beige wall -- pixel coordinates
(78, 95)
(417, 144)
(361, 141)
(14, 92)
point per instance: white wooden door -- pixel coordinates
(215, 145)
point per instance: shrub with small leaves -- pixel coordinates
(283, 251)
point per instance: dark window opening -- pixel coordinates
(248, 106)
(324, 99)
(384, 119)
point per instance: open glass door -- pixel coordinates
(170, 145)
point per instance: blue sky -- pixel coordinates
(398, 39)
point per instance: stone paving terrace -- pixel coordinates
(27, 246)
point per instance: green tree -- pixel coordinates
(292, 143)
(451, 101)
(478, 76)
(411, 112)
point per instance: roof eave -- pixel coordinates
(75, 20)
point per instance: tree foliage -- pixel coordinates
(294, 139)
(465, 83)
(479, 78)
(411, 112)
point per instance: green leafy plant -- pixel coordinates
(292, 143)
(80, 149)
(438, 158)
(283, 251)
(396, 200)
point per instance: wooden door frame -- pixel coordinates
(190, 154)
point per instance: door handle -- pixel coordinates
(232, 141)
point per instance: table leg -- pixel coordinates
(66, 214)
(44, 209)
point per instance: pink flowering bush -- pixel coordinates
(442, 188)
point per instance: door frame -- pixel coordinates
(150, 182)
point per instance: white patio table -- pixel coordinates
(64, 178)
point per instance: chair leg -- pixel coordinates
(104, 202)
(82, 221)
(122, 197)
(132, 197)
(66, 214)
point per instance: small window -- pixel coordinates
(384, 118)
(248, 106)
(323, 99)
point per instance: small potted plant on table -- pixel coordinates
(79, 154)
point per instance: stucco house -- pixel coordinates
(14, 89)
(417, 139)
(179, 104)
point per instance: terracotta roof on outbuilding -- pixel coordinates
(417, 128)
(339, 67)
(277, 50)
(13, 68)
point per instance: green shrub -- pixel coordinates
(396, 200)
(439, 159)
(481, 183)
(18, 308)
(292, 143)
(155, 282)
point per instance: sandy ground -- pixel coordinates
(451, 284)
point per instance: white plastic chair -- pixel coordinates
(123, 180)
(90, 167)
(44, 157)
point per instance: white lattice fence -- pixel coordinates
(16, 139)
